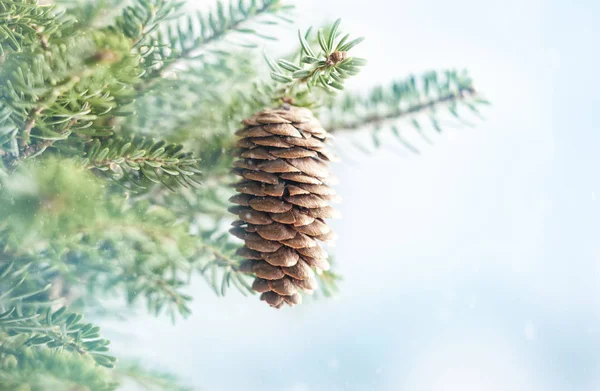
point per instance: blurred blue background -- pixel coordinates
(474, 266)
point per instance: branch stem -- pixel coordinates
(400, 113)
(192, 51)
(29, 125)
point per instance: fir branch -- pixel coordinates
(28, 126)
(49, 97)
(53, 329)
(33, 150)
(161, 294)
(26, 21)
(139, 20)
(140, 162)
(326, 68)
(328, 282)
(21, 316)
(432, 96)
(149, 379)
(166, 256)
(222, 269)
(43, 38)
(189, 37)
(215, 257)
(115, 245)
(92, 14)
(400, 113)
(186, 106)
(44, 369)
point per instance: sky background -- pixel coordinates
(474, 266)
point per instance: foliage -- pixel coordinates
(326, 68)
(52, 369)
(116, 131)
(148, 379)
(22, 23)
(414, 100)
(138, 160)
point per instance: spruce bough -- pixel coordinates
(117, 143)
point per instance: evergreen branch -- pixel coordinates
(189, 37)
(139, 20)
(149, 379)
(214, 254)
(58, 329)
(327, 68)
(328, 282)
(399, 113)
(92, 14)
(222, 259)
(37, 326)
(48, 99)
(69, 90)
(188, 102)
(99, 235)
(158, 270)
(24, 21)
(431, 96)
(114, 245)
(141, 162)
(44, 369)
(209, 201)
(29, 125)
(158, 292)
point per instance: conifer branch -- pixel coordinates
(328, 282)
(381, 119)
(25, 21)
(52, 329)
(141, 162)
(326, 68)
(40, 98)
(42, 37)
(29, 125)
(190, 37)
(432, 96)
(92, 14)
(149, 379)
(40, 367)
(139, 20)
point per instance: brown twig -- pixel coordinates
(28, 126)
(42, 37)
(12, 161)
(35, 148)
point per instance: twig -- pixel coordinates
(29, 125)
(42, 37)
(156, 73)
(220, 257)
(393, 115)
(30, 150)
(33, 149)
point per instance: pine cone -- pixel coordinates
(284, 197)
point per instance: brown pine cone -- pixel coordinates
(284, 197)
